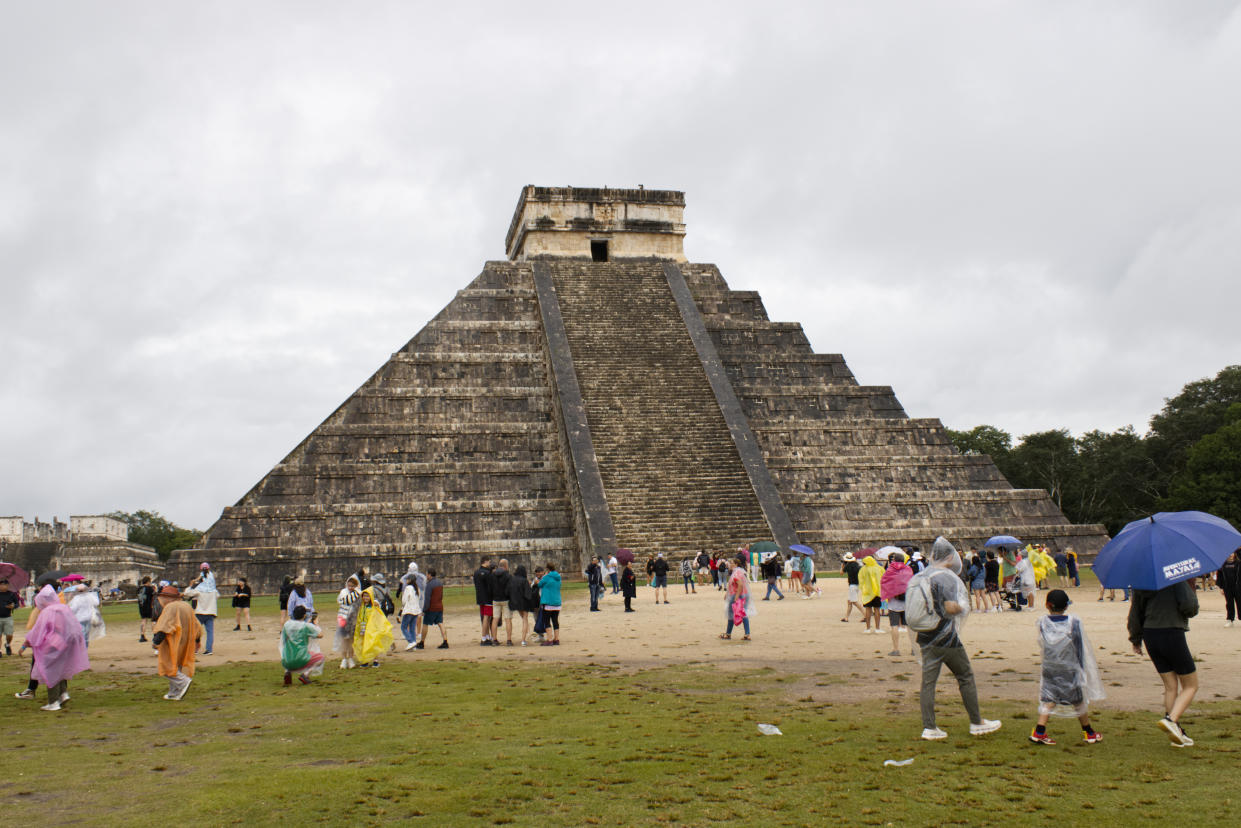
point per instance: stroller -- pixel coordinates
(1010, 592)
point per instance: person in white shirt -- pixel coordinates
(612, 576)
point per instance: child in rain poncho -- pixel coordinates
(372, 634)
(348, 602)
(298, 648)
(59, 648)
(1070, 677)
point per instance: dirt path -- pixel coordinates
(836, 662)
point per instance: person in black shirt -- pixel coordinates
(850, 567)
(991, 583)
(482, 597)
(660, 570)
(499, 600)
(241, 603)
(286, 586)
(146, 607)
(629, 586)
(8, 602)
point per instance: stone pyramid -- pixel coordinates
(597, 391)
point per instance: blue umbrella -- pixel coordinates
(1161, 550)
(1003, 540)
(802, 548)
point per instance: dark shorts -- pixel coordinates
(432, 617)
(992, 586)
(874, 602)
(1169, 651)
(145, 612)
(1062, 569)
(661, 581)
(896, 618)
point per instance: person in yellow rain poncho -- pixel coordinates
(1036, 561)
(868, 584)
(373, 633)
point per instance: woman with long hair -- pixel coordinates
(241, 603)
(737, 593)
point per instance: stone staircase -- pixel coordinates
(852, 469)
(447, 452)
(671, 472)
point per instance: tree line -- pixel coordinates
(156, 531)
(1190, 458)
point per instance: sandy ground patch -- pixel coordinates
(837, 662)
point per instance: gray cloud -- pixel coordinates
(216, 221)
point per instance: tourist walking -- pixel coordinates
(347, 604)
(936, 606)
(372, 634)
(146, 607)
(84, 604)
(771, 570)
(521, 600)
(1072, 562)
(737, 607)
(1159, 620)
(1229, 580)
(178, 634)
(9, 601)
(298, 650)
(205, 595)
(241, 604)
(482, 598)
(659, 569)
(629, 587)
(286, 586)
(613, 574)
(687, 576)
(594, 583)
(868, 583)
(499, 600)
(411, 611)
(807, 577)
(1070, 677)
(850, 567)
(549, 595)
(433, 610)
(300, 596)
(58, 648)
(892, 589)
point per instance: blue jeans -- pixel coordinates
(771, 586)
(615, 583)
(595, 591)
(744, 621)
(409, 627)
(208, 622)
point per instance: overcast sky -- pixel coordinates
(217, 220)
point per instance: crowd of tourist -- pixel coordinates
(924, 598)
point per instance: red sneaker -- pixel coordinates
(1041, 738)
(1096, 736)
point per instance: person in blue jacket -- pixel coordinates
(549, 596)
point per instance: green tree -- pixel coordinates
(1116, 482)
(1200, 409)
(1046, 460)
(1211, 481)
(154, 530)
(983, 439)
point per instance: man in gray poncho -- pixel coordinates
(946, 603)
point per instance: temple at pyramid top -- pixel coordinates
(600, 225)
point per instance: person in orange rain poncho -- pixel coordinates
(373, 633)
(177, 633)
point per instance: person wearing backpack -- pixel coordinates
(936, 604)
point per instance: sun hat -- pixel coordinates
(848, 557)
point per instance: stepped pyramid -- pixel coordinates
(594, 391)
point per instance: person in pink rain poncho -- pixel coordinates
(892, 585)
(58, 645)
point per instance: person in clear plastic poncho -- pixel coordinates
(941, 646)
(1070, 676)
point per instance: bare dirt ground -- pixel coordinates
(835, 662)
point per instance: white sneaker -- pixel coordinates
(181, 695)
(344, 664)
(25, 694)
(932, 734)
(64, 697)
(51, 707)
(1177, 736)
(1227, 623)
(411, 646)
(987, 726)
(170, 697)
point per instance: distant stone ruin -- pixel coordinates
(597, 391)
(95, 546)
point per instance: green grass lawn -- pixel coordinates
(444, 743)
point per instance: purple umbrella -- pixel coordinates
(624, 556)
(17, 577)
